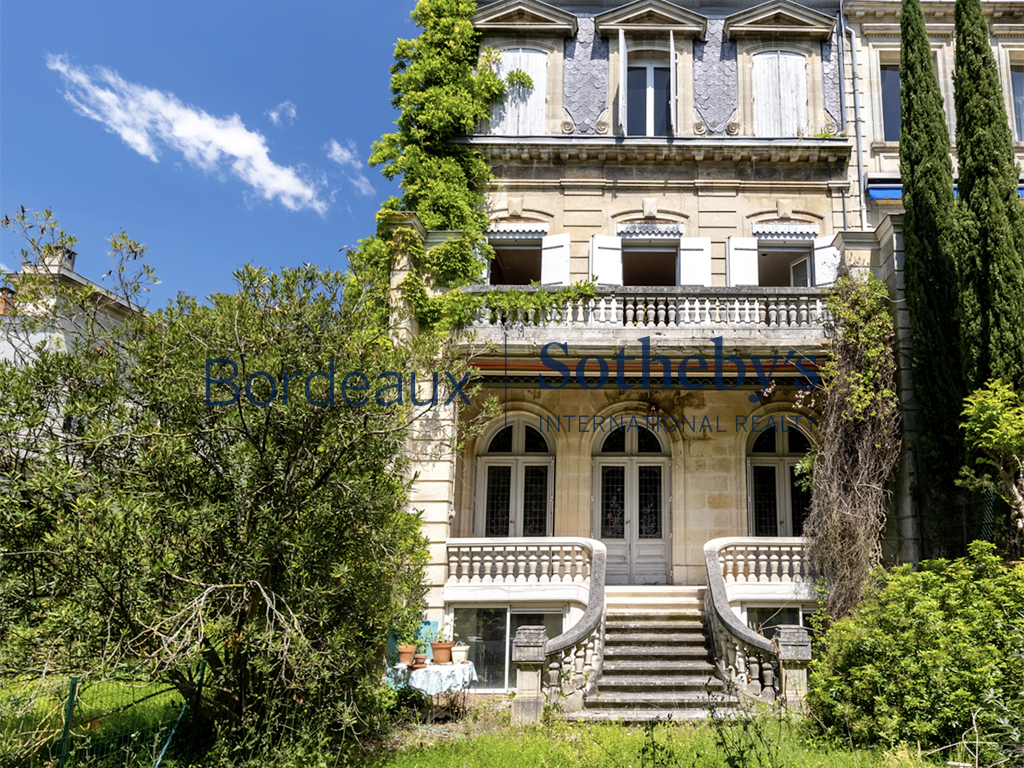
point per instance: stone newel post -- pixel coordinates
(794, 656)
(528, 656)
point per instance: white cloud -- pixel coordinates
(146, 118)
(283, 110)
(347, 157)
(4, 268)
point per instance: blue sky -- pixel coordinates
(215, 133)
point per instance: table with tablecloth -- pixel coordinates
(437, 678)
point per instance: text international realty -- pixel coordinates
(584, 423)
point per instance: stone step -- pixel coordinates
(641, 715)
(677, 667)
(658, 681)
(650, 699)
(641, 590)
(650, 652)
(693, 638)
(653, 624)
(655, 605)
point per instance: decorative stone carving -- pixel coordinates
(650, 207)
(700, 128)
(515, 206)
(568, 126)
(733, 128)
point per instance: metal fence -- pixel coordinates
(70, 721)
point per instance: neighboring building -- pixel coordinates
(708, 165)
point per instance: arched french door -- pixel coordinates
(515, 479)
(631, 505)
(776, 503)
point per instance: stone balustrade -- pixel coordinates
(748, 661)
(718, 309)
(763, 561)
(519, 561)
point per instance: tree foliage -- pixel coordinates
(929, 268)
(926, 656)
(859, 440)
(144, 530)
(994, 426)
(990, 244)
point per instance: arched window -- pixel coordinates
(776, 503)
(515, 482)
(780, 94)
(631, 505)
(521, 113)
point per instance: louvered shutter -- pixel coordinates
(694, 266)
(741, 260)
(533, 102)
(505, 113)
(826, 260)
(673, 97)
(606, 259)
(792, 95)
(766, 94)
(623, 71)
(554, 260)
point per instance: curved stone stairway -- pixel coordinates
(657, 658)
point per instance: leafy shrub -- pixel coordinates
(918, 658)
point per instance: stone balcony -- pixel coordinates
(748, 317)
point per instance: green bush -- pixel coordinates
(920, 656)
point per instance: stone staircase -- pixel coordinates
(657, 662)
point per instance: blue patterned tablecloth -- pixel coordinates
(437, 678)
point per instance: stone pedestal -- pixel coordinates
(794, 657)
(528, 656)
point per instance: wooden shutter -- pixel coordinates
(741, 261)
(792, 94)
(505, 113)
(766, 94)
(554, 260)
(673, 95)
(606, 259)
(826, 260)
(622, 82)
(694, 266)
(534, 102)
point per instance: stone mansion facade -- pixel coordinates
(708, 165)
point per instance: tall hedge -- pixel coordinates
(930, 268)
(990, 217)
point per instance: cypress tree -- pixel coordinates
(990, 241)
(929, 268)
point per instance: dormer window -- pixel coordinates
(651, 77)
(779, 61)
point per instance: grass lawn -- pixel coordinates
(487, 740)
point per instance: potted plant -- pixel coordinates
(407, 647)
(441, 645)
(420, 657)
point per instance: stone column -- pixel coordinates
(528, 656)
(794, 657)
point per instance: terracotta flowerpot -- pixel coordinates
(420, 660)
(442, 652)
(405, 653)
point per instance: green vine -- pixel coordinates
(519, 79)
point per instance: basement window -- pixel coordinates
(489, 632)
